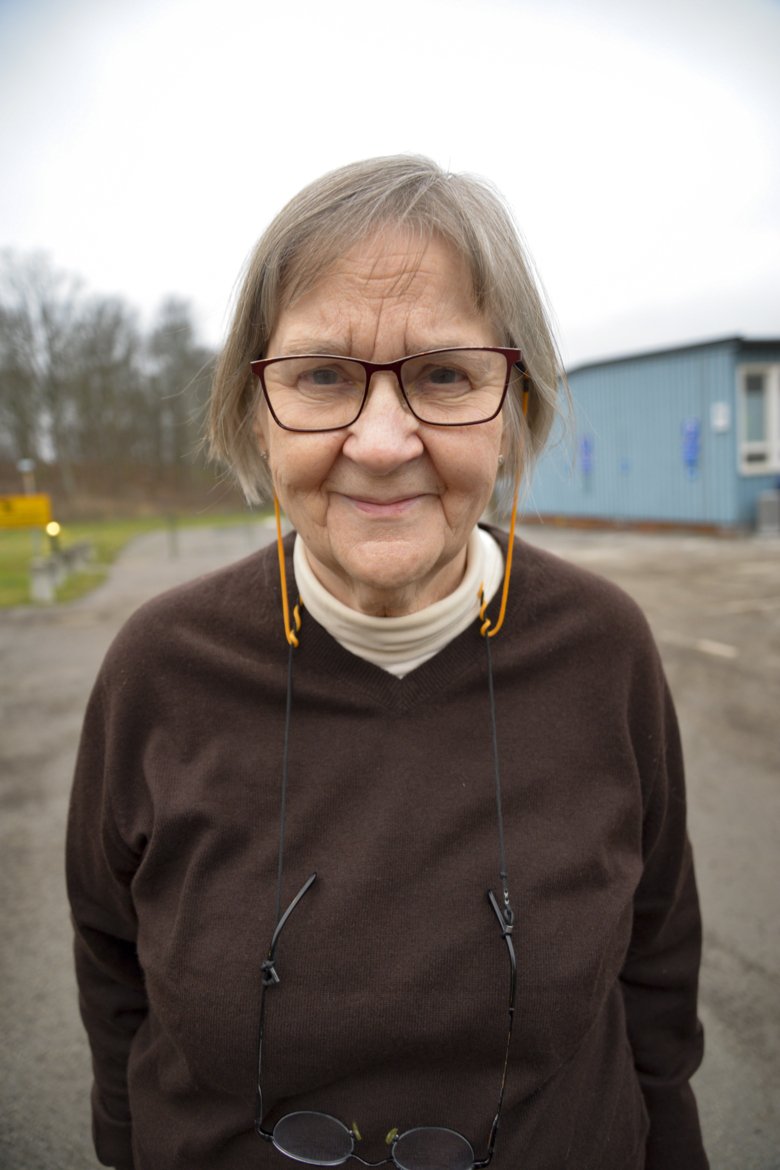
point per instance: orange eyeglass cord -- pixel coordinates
(290, 634)
(487, 629)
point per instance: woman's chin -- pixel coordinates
(391, 577)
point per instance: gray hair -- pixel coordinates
(323, 222)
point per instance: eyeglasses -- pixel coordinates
(443, 388)
(318, 1139)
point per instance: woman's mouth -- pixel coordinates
(390, 509)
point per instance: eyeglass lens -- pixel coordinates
(429, 1148)
(320, 1140)
(451, 388)
(315, 1138)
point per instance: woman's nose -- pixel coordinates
(386, 432)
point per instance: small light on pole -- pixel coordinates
(53, 531)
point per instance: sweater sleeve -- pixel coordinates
(660, 976)
(112, 999)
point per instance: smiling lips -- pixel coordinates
(385, 508)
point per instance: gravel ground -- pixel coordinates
(714, 605)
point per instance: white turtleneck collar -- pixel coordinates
(400, 644)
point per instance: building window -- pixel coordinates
(759, 417)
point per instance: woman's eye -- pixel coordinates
(323, 376)
(445, 376)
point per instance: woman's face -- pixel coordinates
(385, 507)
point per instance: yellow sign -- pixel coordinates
(25, 511)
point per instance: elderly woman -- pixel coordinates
(376, 854)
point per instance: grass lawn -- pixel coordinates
(108, 538)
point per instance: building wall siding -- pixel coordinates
(642, 444)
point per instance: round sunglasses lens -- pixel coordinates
(314, 1138)
(428, 1148)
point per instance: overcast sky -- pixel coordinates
(145, 144)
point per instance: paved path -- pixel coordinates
(715, 609)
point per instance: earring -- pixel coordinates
(264, 456)
(501, 461)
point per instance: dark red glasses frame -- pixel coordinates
(513, 361)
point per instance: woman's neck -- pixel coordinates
(399, 643)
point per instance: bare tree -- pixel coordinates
(40, 306)
(82, 388)
(104, 388)
(19, 404)
(179, 377)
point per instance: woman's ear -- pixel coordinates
(259, 430)
(504, 445)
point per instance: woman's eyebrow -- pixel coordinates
(319, 345)
(316, 345)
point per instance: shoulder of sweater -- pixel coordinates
(548, 583)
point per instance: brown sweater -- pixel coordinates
(392, 1006)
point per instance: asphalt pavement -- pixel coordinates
(714, 605)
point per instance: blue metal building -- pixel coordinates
(684, 436)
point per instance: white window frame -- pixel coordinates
(770, 447)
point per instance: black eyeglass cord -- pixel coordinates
(508, 913)
(270, 976)
(269, 972)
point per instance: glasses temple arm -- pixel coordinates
(269, 971)
(270, 979)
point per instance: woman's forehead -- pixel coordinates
(388, 312)
(392, 271)
(387, 262)
(395, 253)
